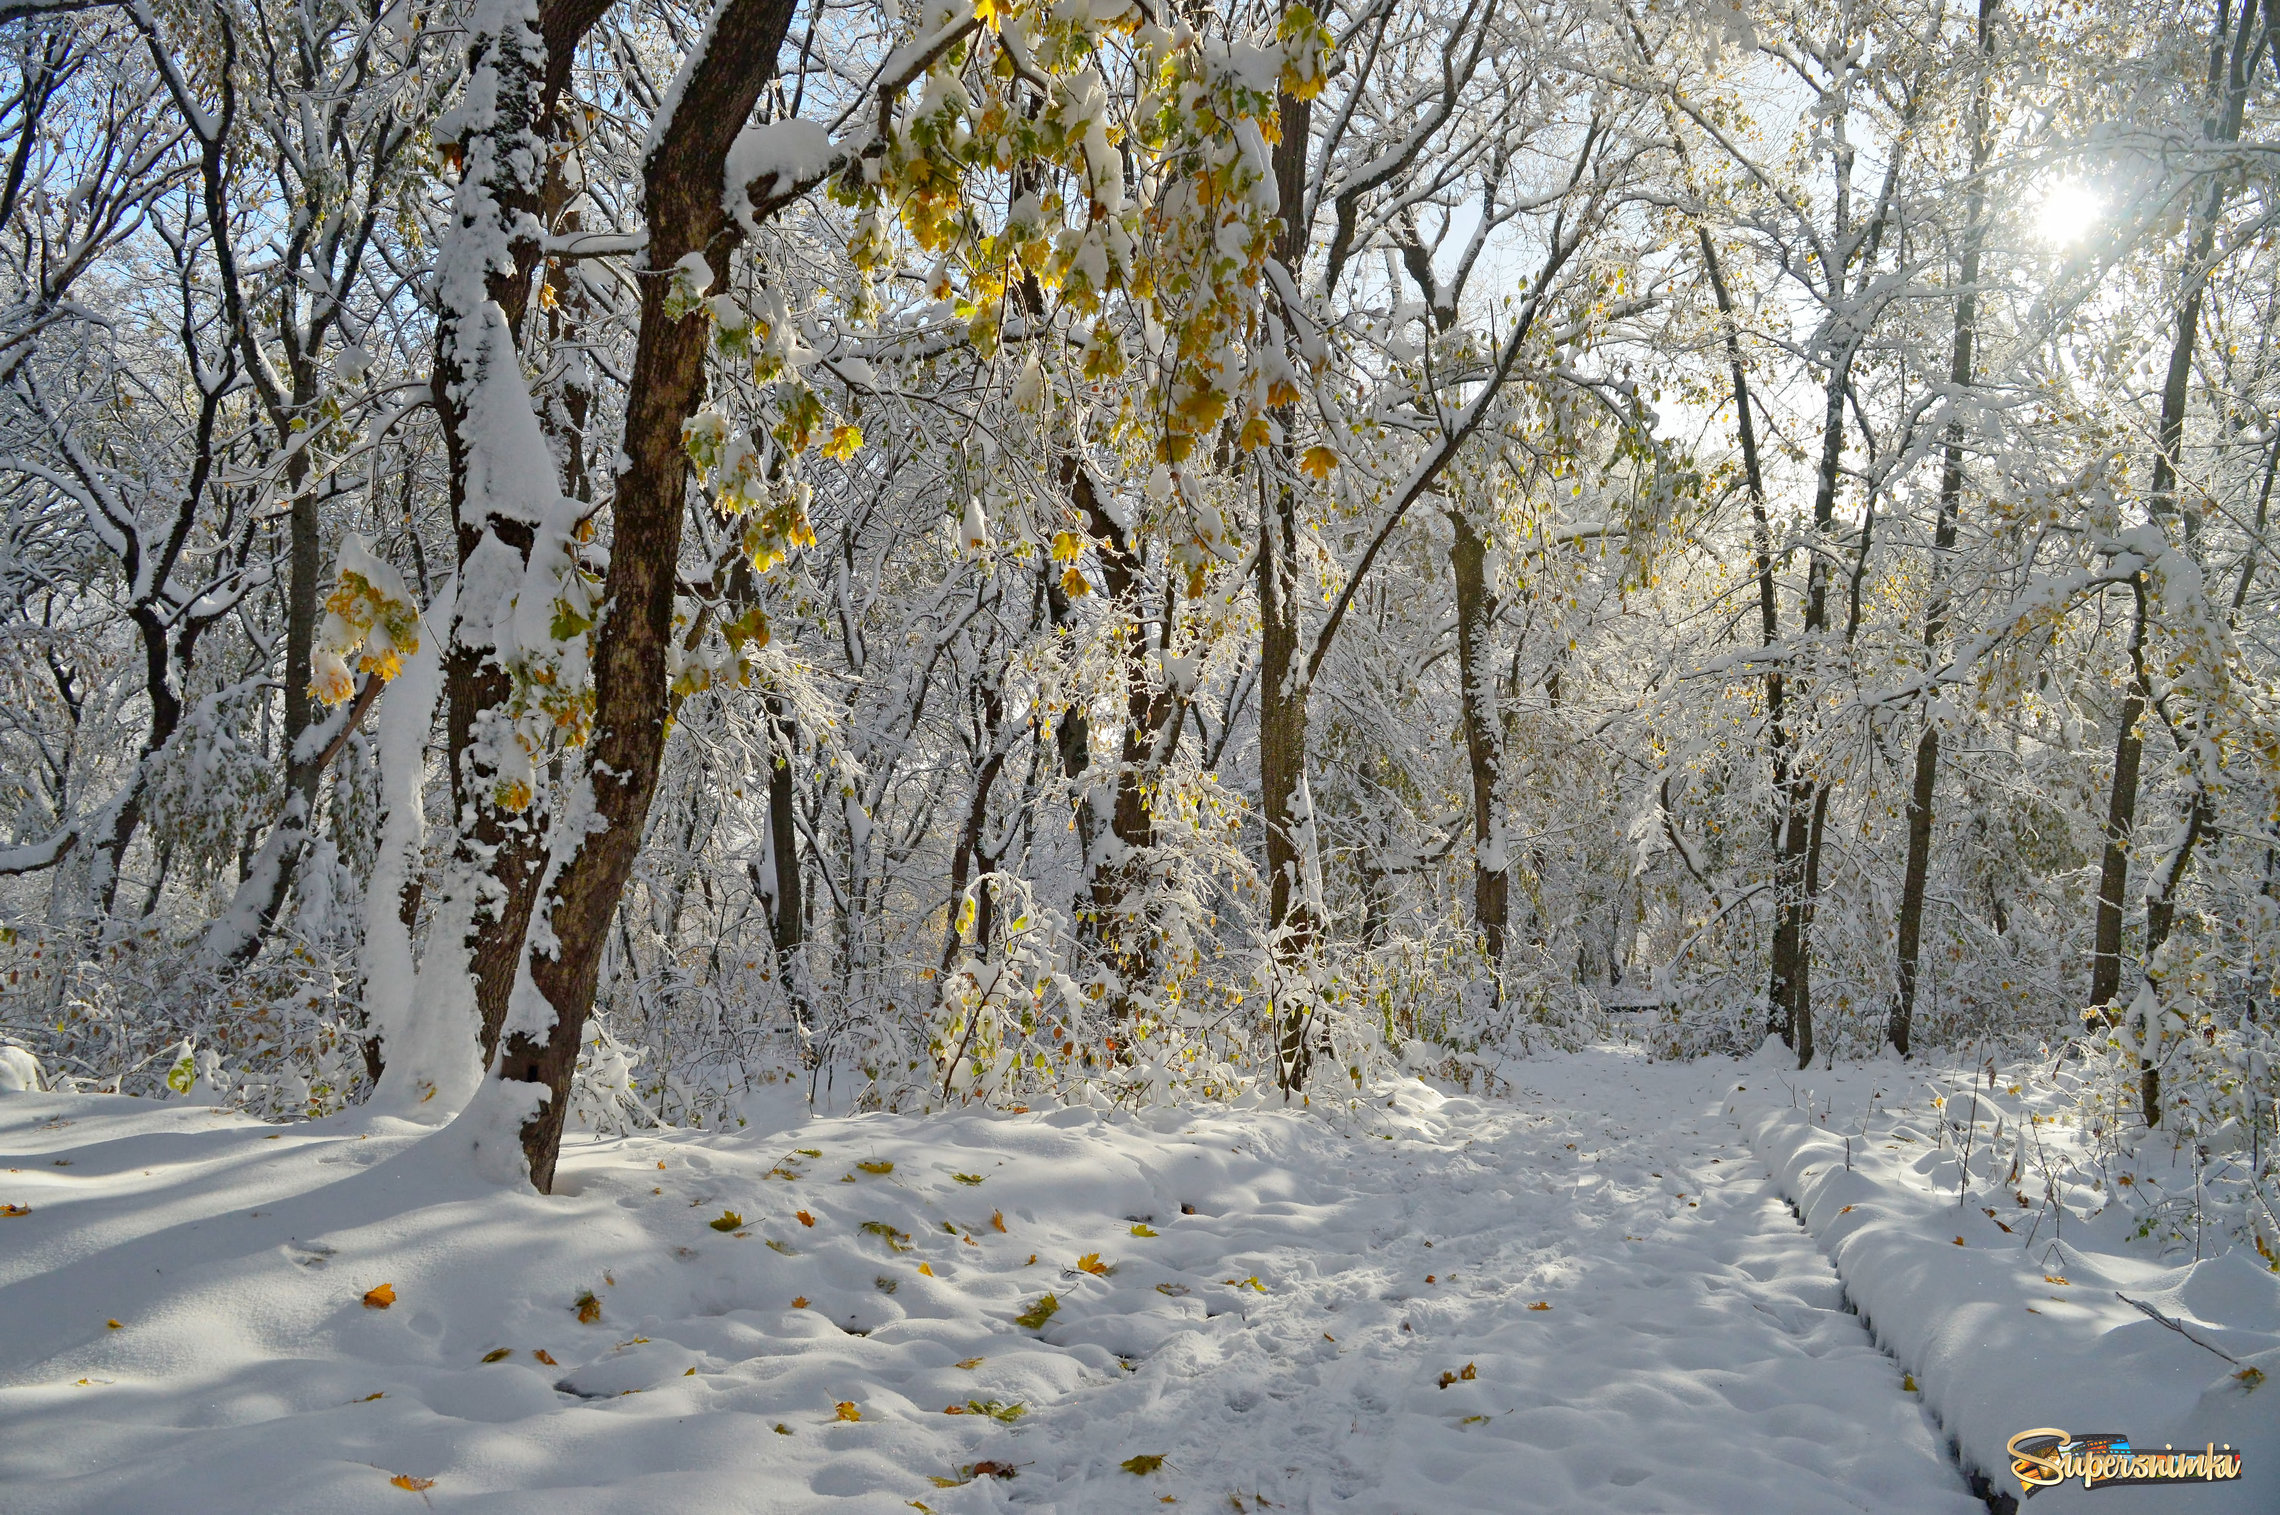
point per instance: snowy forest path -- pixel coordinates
(1582, 1295)
(1586, 1297)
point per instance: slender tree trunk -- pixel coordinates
(2121, 817)
(1476, 608)
(1282, 676)
(2229, 65)
(684, 179)
(786, 920)
(1783, 956)
(1924, 786)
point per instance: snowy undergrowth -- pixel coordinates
(2001, 1289)
(1584, 1298)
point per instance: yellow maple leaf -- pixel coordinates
(1317, 461)
(845, 1410)
(1091, 1263)
(845, 440)
(380, 1298)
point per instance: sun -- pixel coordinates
(2068, 210)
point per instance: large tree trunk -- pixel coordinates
(1924, 786)
(1151, 712)
(684, 193)
(499, 848)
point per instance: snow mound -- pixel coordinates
(2011, 1306)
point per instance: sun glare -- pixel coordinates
(2068, 210)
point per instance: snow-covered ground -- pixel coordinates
(2009, 1293)
(1588, 1295)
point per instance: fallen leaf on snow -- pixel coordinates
(1034, 1318)
(799, 1301)
(729, 1221)
(997, 1220)
(544, 1356)
(967, 1178)
(414, 1485)
(845, 1410)
(805, 1219)
(972, 1363)
(1541, 1304)
(589, 1309)
(1143, 1230)
(923, 1268)
(1091, 1263)
(877, 1168)
(1144, 1463)
(380, 1298)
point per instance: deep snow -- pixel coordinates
(1280, 1342)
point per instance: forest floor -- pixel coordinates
(1586, 1294)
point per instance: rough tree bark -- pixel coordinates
(683, 194)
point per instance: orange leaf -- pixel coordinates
(923, 1268)
(846, 1410)
(589, 1309)
(544, 1356)
(415, 1485)
(799, 1301)
(997, 1220)
(806, 1219)
(380, 1298)
(1959, 1241)
(1541, 1304)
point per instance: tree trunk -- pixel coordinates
(684, 193)
(2229, 63)
(2121, 817)
(1923, 787)
(1781, 970)
(786, 921)
(1476, 608)
(1282, 677)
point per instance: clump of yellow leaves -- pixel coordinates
(369, 616)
